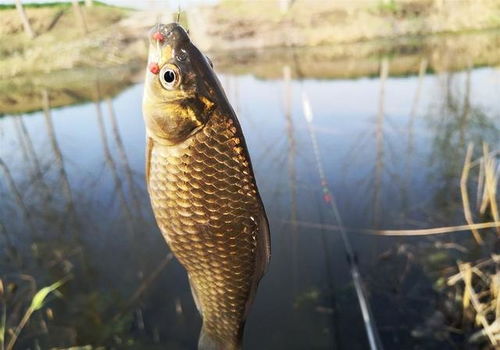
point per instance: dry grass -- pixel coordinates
(479, 284)
(60, 44)
(465, 195)
(416, 232)
(490, 176)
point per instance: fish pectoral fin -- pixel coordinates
(262, 258)
(149, 149)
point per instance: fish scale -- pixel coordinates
(205, 202)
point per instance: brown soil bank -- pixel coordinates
(247, 24)
(113, 38)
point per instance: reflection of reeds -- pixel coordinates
(9, 245)
(123, 158)
(112, 166)
(416, 99)
(379, 144)
(110, 161)
(411, 123)
(29, 153)
(17, 195)
(66, 188)
(463, 117)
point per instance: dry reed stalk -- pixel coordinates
(434, 231)
(465, 195)
(490, 183)
(467, 278)
(483, 204)
(482, 297)
(480, 185)
(495, 287)
(494, 259)
(480, 159)
(417, 232)
(476, 304)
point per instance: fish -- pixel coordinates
(202, 186)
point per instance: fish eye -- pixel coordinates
(169, 77)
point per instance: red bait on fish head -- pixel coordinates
(158, 36)
(154, 68)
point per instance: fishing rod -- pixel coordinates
(329, 199)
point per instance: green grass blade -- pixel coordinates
(39, 298)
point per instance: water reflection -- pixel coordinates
(58, 158)
(74, 206)
(456, 120)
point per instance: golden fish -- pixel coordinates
(202, 187)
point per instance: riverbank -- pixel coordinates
(243, 24)
(113, 37)
(406, 56)
(235, 29)
(67, 62)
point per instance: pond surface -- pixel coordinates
(74, 205)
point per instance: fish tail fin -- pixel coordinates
(208, 341)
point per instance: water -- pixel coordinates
(392, 149)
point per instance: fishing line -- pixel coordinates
(328, 198)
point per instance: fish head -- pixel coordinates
(181, 90)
